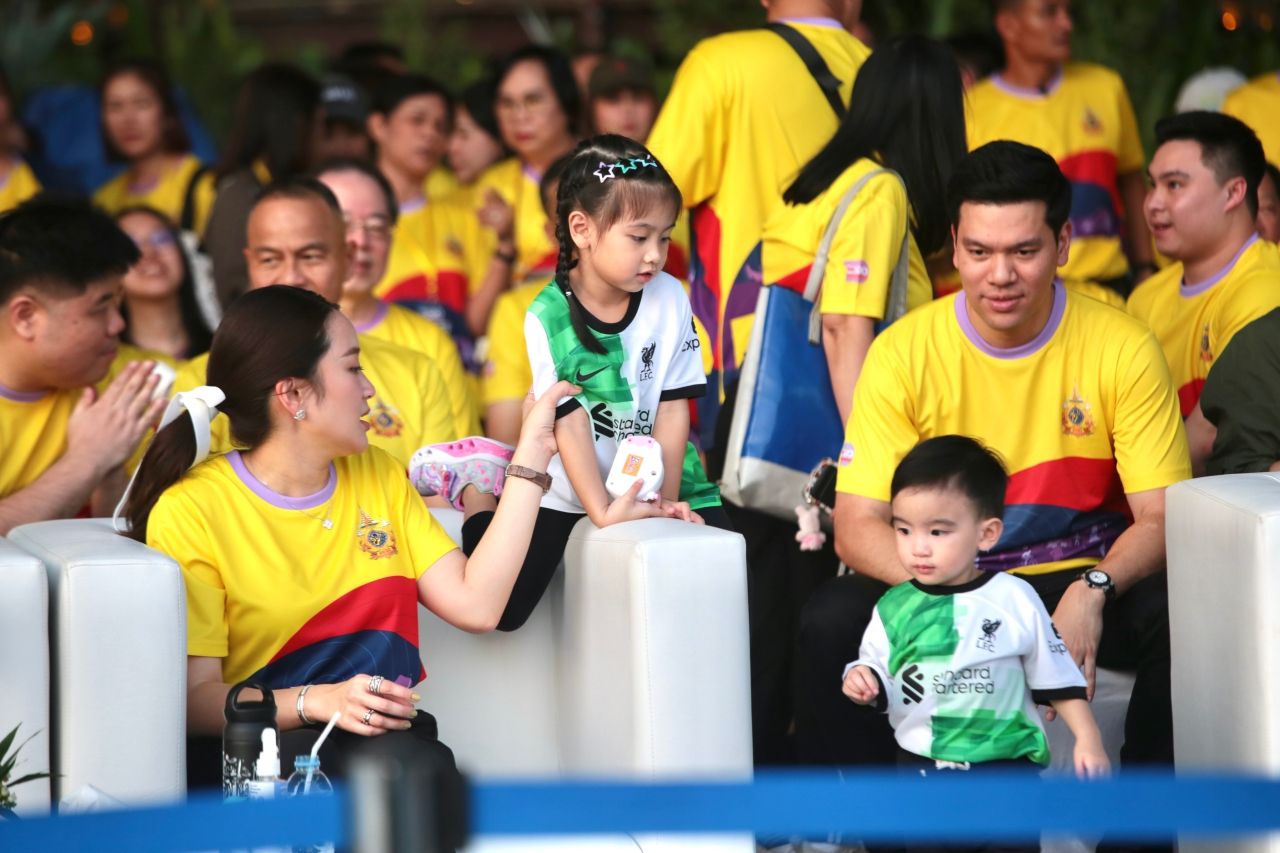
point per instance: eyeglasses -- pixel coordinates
(155, 240)
(374, 227)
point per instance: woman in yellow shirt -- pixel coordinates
(141, 126)
(906, 114)
(306, 555)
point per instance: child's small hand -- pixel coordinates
(627, 508)
(680, 510)
(861, 685)
(1091, 760)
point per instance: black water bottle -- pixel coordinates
(242, 736)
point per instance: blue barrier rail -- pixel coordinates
(867, 805)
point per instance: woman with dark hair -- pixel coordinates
(538, 107)
(141, 126)
(905, 129)
(475, 143)
(410, 117)
(306, 553)
(160, 308)
(274, 129)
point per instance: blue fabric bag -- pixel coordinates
(785, 420)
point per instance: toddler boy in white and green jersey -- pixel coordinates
(960, 657)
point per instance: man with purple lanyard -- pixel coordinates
(1076, 399)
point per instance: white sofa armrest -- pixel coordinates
(119, 652)
(655, 655)
(24, 670)
(1223, 539)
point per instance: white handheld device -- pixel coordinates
(639, 458)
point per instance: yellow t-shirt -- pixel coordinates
(166, 196)
(864, 250)
(743, 116)
(410, 406)
(518, 186)
(287, 600)
(1194, 323)
(399, 325)
(507, 374)
(428, 259)
(33, 425)
(18, 185)
(1086, 123)
(441, 184)
(1257, 104)
(1082, 415)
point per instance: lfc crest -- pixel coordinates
(1077, 415)
(385, 420)
(376, 537)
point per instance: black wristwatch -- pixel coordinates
(1098, 579)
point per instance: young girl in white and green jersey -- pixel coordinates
(621, 330)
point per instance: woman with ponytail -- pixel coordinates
(614, 324)
(305, 555)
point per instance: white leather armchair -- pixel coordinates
(635, 665)
(1223, 536)
(24, 669)
(118, 651)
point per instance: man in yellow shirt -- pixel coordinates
(1074, 396)
(745, 112)
(369, 210)
(1081, 115)
(1257, 104)
(62, 443)
(296, 236)
(1201, 208)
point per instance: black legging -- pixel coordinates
(546, 550)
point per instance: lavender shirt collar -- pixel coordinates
(379, 315)
(276, 499)
(7, 393)
(1190, 290)
(1023, 92)
(1030, 347)
(814, 22)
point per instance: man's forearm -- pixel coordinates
(866, 545)
(1137, 554)
(59, 492)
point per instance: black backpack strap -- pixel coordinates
(187, 221)
(817, 66)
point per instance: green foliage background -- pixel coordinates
(1154, 44)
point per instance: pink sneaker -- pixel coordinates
(445, 469)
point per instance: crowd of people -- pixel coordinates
(402, 297)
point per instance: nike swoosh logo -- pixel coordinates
(583, 377)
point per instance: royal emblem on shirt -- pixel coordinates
(1206, 352)
(454, 246)
(1091, 123)
(1077, 415)
(856, 272)
(385, 420)
(987, 641)
(376, 537)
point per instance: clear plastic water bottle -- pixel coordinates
(308, 779)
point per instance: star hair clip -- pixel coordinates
(608, 171)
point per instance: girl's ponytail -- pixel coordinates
(172, 452)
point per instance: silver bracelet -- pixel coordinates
(300, 707)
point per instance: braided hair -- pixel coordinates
(607, 177)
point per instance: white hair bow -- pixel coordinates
(202, 404)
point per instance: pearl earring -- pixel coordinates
(300, 415)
